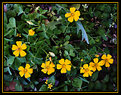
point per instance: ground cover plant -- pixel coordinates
(60, 47)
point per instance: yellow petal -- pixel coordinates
(43, 65)
(95, 60)
(31, 32)
(70, 19)
(110, 61)
(94, 69)
(63, 70)
(18, 43)
(22, 53)
(27, 75)
(90, 73)
(68, 67)
(61, 61)
(107, 64)
(23, 46)
(77, 13)
(59, 66)
(30, 71)
(52, 64)
(72, 9)
(82, 70)
(27, 66)
(85, 75)
(76, 18)
(103, 56)
(51, 70)
(91, 64)
(47, 63)
(67, 14)
(14, 47)
(21, 68)
(85, 66)
(21, 73)
(44, 70)
(67, 61)
(101, 63)
(16, 53)
(99, 68)
(108, 56)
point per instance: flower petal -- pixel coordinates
(90, 73)
(21, 68)
(21, 73)
(77, 13)
(27, 66)
(19, 43)
(95, 60)
(61, 61)
(22, 53)
(91, 64)
(103, 56)
(82, 70)
(101, 63)
(67, 14)
(99, 68)
(110, 61)
(52, 64)
(107, 64)
(44, 70)
(76, 18)
(109, 56)
(43, 65)
(16, 53)
(59, 66)
(27, 75)
(14, 47)
(70, 19)
(85, 75)
(63, 70)
(85, 66)
(30, 70)
(51, 70)
(23, 46)
(67, 61)
(68, 67)
(72, 9)
(47, 63)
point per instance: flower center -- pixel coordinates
(47, 67)
(96, 64)
(63, 66)
(86, 70)
(19, 49)
(25, 70)
(72, 14)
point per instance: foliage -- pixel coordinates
(55, 38)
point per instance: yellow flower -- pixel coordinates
(31, 32)
(96, 55)
(48, 67)
(74, 15)
(64, 65)
(25, 71)
(106, 60)
(95, 65)
(82, 60)
(46, 81)
(18, 35)
(50, 85)
(19, 49)
(86, 70)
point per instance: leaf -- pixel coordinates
(77, 82)
(72, 53)
(43, 88)
(83, 79)
(12, 22)
(51, 80)
(10, 60)
(77, 6)
(18, 87)
(95, 76)
(7, 69)
(80, 27)
(52, 25)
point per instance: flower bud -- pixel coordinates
(52, 54)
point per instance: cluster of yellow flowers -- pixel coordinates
(96, 65)
(48, 66)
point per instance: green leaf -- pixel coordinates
(7, 69)
(72, 53)
(18, 87)
(77, 82)
(51, 80)
(10, 60)
(80, 27)
(106, 78)
(12, 22)
(52, 25)
(94, 76)
(43, 88)
(83, 79)
(21, 60)
(8, 77)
